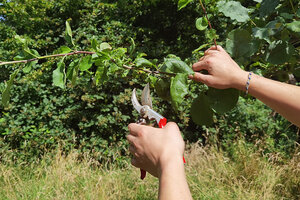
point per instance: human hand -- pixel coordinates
(154, 149)
(223, 71)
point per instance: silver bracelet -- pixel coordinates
(248, 82)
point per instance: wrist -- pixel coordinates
(170, 165)
(241, 80)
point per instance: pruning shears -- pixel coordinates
(147, 113)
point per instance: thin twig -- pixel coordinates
(209, 24)
(44, 57)
(82, 52)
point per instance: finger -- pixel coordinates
(203, 78)
(210, 52)
(134, 129)
(135, 162)
(132, 149)
(131, 139)
(218, 48)
(200, 65)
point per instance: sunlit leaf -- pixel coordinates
(58, 75)
(234, 10)
(294, 26)
(201, 112)
(104, 46)
(173, 65)
(178, 89)
(183, 3)
(6, 93)
(94, 44)
(101, 75)
(201, 23)
(86, 63)
(140, 62)
(222, 100)
(64, 49)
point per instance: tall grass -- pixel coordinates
(211, 175)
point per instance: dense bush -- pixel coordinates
(94, 118)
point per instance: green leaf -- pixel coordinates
(267, 7)
(162, 88)
(279, 52)
(132, 47)
(105, 46)
(201, 47)
(201, 112)
(143, 62)
(240, 44)
(222, 100)
(101, 75)
(172, 65)
(6, 93)
(86, 63)
(71, 67)
(58, 75)
(234, 10)
(68, 34)
(178, 89)
(68, 29)
(64, 49)
(94, 44)
(183, 3)
(294, 26)
(201, 23)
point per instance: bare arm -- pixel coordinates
(159, 152)
(225, 73)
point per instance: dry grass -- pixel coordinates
(211, 175)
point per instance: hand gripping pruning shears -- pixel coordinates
(147, 113)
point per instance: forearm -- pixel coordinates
(281, 97)
(172, 182)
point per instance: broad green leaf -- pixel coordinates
(94, 44)
(201, 112)
(105, 46)
(234, 10)
(211, 34)
(162, 88)
(201, 23)
(68, 29)
(71, 67)
(265, 33)
(64, 49)
(240, 44)
(183, 3)
(86, 63)
(101, 75)
(173, 65)
(222, 100)
(140, 62)
(178, 89)
(21, 40)
(68, 34)
(294, 26)
(6, 93)
(58, 75)
(279, 52)
(267, 7)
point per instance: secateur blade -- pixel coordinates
(135, 102)
(146, 97)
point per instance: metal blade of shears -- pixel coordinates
(146, 97)
(135, 102)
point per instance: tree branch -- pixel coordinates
(82, 52)
(209, 24)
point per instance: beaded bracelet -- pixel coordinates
(248, 82)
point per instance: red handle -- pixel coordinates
(162, 123)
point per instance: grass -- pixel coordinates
(211, 175)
